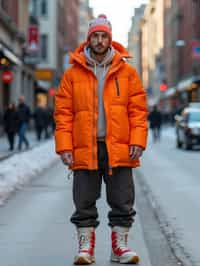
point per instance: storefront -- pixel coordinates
(16, 78)
(8, 63)
(44, 87)
(176, 98)
(41, 92)
(189, 89)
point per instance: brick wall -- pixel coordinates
(11, 8)
(71, 23)
(181, 23)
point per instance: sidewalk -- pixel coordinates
(4, 146)
(21, 167)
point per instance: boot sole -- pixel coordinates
(132, 260)
(83, 261)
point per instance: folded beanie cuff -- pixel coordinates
(99, 28)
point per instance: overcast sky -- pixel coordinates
(119, 13)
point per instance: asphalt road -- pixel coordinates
(35, 227)
(171, 180)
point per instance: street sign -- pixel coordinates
(33, 39)
(180, 43)
(44, 74)
(195, 50)
(7, 76)
(31, 59)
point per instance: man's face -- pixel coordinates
(21, 99)
(99, 42)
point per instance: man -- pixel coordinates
(10, 124)
(40, 117)
(155, 120)
(101, 131)
(23, 117)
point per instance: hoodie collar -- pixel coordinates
(106, 61)
(94, 63)
(78, 55)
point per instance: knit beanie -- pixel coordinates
(101, 23)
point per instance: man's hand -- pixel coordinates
(67, 158)
(135, 152)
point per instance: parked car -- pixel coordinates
(194, 105)
(188, 128)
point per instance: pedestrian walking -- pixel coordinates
(1, 122)
(101, 131)
(51, 123)
(11, 124)
(155, 119)
(23, 117)
(46, 122)
(39, 116)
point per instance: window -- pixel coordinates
(43, 7)
(4, 5)
(33, 7)
(44, 46)
(194, 117)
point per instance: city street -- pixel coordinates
(86, 85)
(35, 227)
(170, 178)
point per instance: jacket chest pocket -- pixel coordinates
(120, 90)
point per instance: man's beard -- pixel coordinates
(99, 53)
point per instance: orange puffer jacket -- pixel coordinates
(76, 111)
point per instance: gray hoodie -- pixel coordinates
(100, 70)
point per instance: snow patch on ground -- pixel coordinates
(20, 168)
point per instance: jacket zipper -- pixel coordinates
(93, 133)
(117, 86)
(110, 169)
(118, 93)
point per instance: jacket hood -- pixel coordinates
(78, 54)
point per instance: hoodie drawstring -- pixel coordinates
(104, 70)
(95, 69)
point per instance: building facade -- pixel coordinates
(13, 27)
(171, 36)
(51, 19)
(59, 34)
(71, 24)
(134, 38)
(182, 56)
(152, 43)
(85, 15)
